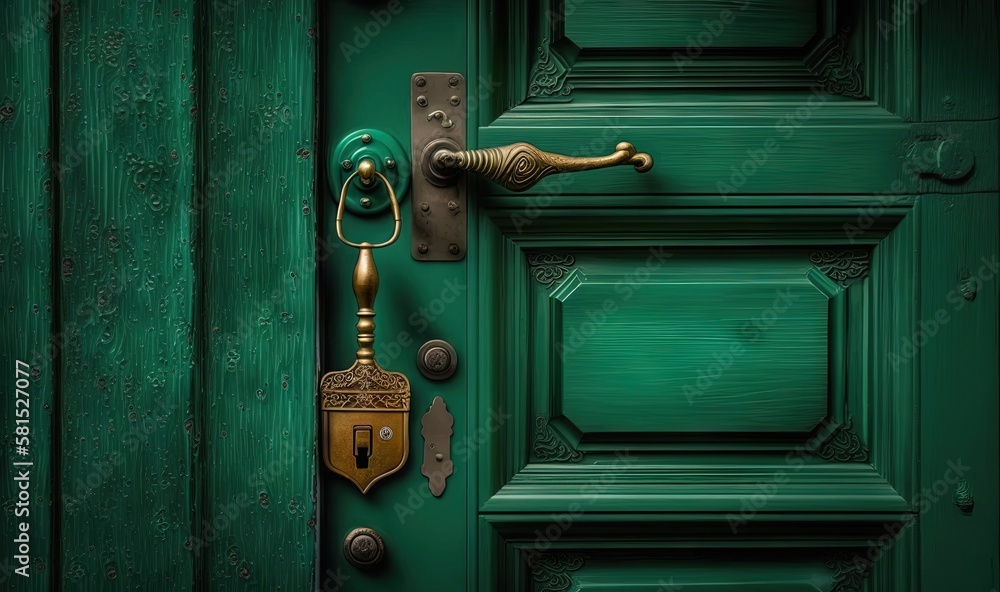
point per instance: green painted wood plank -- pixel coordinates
(26, 244)
(959, 75)
(259, 297)
(126, 263)
(955, 348)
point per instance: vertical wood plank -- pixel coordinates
(956, 347)
(26, 245)
(259, 303)
(126, 170)
(958, 53)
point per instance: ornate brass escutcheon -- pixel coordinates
(365, 408)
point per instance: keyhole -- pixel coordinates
(361, 460)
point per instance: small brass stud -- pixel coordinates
(390, 163)
(454, 100)
(453, 81)
(420, 81)
(366, 202)
(347, 164)
(422, 101)
(366, 138)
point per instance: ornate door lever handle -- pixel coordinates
(519, 166)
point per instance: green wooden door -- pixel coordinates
(767, 364)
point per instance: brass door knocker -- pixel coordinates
(365, 408)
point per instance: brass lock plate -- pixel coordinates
(366, 414)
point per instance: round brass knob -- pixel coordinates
(364, 548)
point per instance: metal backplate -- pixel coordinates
(437, 120)
(436, 428)
(390, 160)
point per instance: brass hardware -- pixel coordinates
(364, 548)
(367, 247)
(366, 172)
(436, 430)
(442, 117)
(519, 166)
(438, 120)
(382, 152)
(364, 398)
(437, 359)
(437, 123)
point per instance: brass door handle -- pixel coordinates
(519, 166)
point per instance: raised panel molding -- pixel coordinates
(554, 446)
(602, 46)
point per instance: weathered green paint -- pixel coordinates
(26, 243)
(126, 166)
(958, 379)
(258, 410)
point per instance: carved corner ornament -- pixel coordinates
(549, 447)
(842, 266)
(550, 268)
(849, 571)
(844, 446)
(548, 76)
(551, 570)
(836, 69)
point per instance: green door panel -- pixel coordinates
(698, 377)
